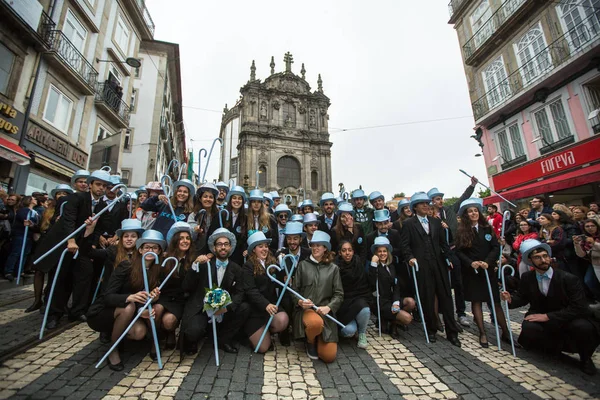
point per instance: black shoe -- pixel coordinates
(34, 306)
(152, 353)
(227, 348)
(104, 337)
(284, 338)
(116, 367)
(432, 337)
(52, 323)
(80, 318)
(506, 339)
(311, 351)
(588, 367)
(483, 344)
(454, 340)
(10, 277)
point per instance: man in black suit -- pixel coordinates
(328, 219)
(79, 208)
(423, 241)
(228, 276)
(559, 318)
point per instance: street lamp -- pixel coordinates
(499, 156)
(543, 139)
(132, 62)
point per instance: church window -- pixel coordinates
(314, 180)
(289, 114)
(288, 172)
(262, 176)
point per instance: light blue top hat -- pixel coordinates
(115, 180)
(294, 228)
(237, 190)
(472, 202)
(152, 236)
(63, 187)
(403, 203)
(328, 196)
(219, 233)
(338, 200)
(419, 197)
(359, 194)
(255, 239)
(310, 218)
(257, 194)
(309, 203)
(381, 215)
(177, 227)
(130, 225)
(189, 185)
(434, 192)
(296, 218)
(142, 189)
(300, 205)
(275, 195)
(222, 185)
(344, 206)
(267, 196)
(382, 241)
(320, 237)
(375, 195)
(82, 173)
(531, 244)
(133, 196)
(283, 208)
(99, 175)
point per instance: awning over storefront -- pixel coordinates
(568, 180)
(12, 152)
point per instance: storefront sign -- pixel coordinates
(577, 155)
(56, 145)
(11, 120)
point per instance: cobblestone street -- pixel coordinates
(64, 367)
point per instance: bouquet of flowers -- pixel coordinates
(216, 299)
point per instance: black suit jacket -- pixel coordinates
(195, 283)
(481, 250)
(394, 237)
(259, 289)
(389, 285)
(323, 225)
(111, 220)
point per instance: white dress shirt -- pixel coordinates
(424, 223)
(544, 284)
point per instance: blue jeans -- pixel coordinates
(591, 281)
(358, 324)
(12, 262)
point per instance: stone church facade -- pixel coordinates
(279, 128)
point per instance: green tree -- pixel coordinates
(450, 201)
(484, 193)
(401, 194)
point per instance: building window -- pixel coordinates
(552, 123)
(128, 140)
(580, 20)
(103, 133)
(233, 167)
(592, 90)
(511, 144)
(122, 35)
(125, 176)
(75, 32)
(497, 87)
(133, 100)
(288, 172)
(314, 180)
(137, 72)
(479, 26)
(289, 114)
(262, 176)
(6, 62)
(533, 55)
(58, 109)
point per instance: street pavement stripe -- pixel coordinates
(290, 373)
(146, 381)
(26, 367)
(411, 377)
(529, 376)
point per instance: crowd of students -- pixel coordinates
(353, 260)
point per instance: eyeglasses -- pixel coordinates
(284, 216)
(219, 245)
(151, 248)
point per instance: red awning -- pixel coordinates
(13, 152)
(571, 179)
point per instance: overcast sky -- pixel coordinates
(382, 63)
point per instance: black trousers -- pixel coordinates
(456, 282)
(578, 336)
(76, 278)
(195, 328)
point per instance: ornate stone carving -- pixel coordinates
(288, 151)
(263, 110)
(314, 160)
(312, 119)
(262, 155)
(276, 105)
(302, 109)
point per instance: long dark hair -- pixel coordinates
(242, 217)
(258, 268)
(136, 276)
(340, 230)
(465, 234)
(173, 251)
(123, 254)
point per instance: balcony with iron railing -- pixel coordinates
(480, 44)
(454, 8)
(64, 55)
(572, 51)
(110, 101)
(141, 17)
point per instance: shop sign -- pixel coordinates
(56, 145)
(11, 120)
(556, 162)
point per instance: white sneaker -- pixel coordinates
(362, 341)
(463, 321)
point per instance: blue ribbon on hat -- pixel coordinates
(222, 264)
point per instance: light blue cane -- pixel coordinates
(152, 323)
(200, 164)
(512, 273)
(231, 183)
(62, 207)
(139, 314)
(209, 155)
(173, 164)
(98, 285)
(414, 274)
(221, 211)
(22, 258)
(490, 189)
(214, 322)
(489, 285)
(182, 168)
(505, 218)
(56, 274)
(298, 295)
(168, 189)
(289, 274)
